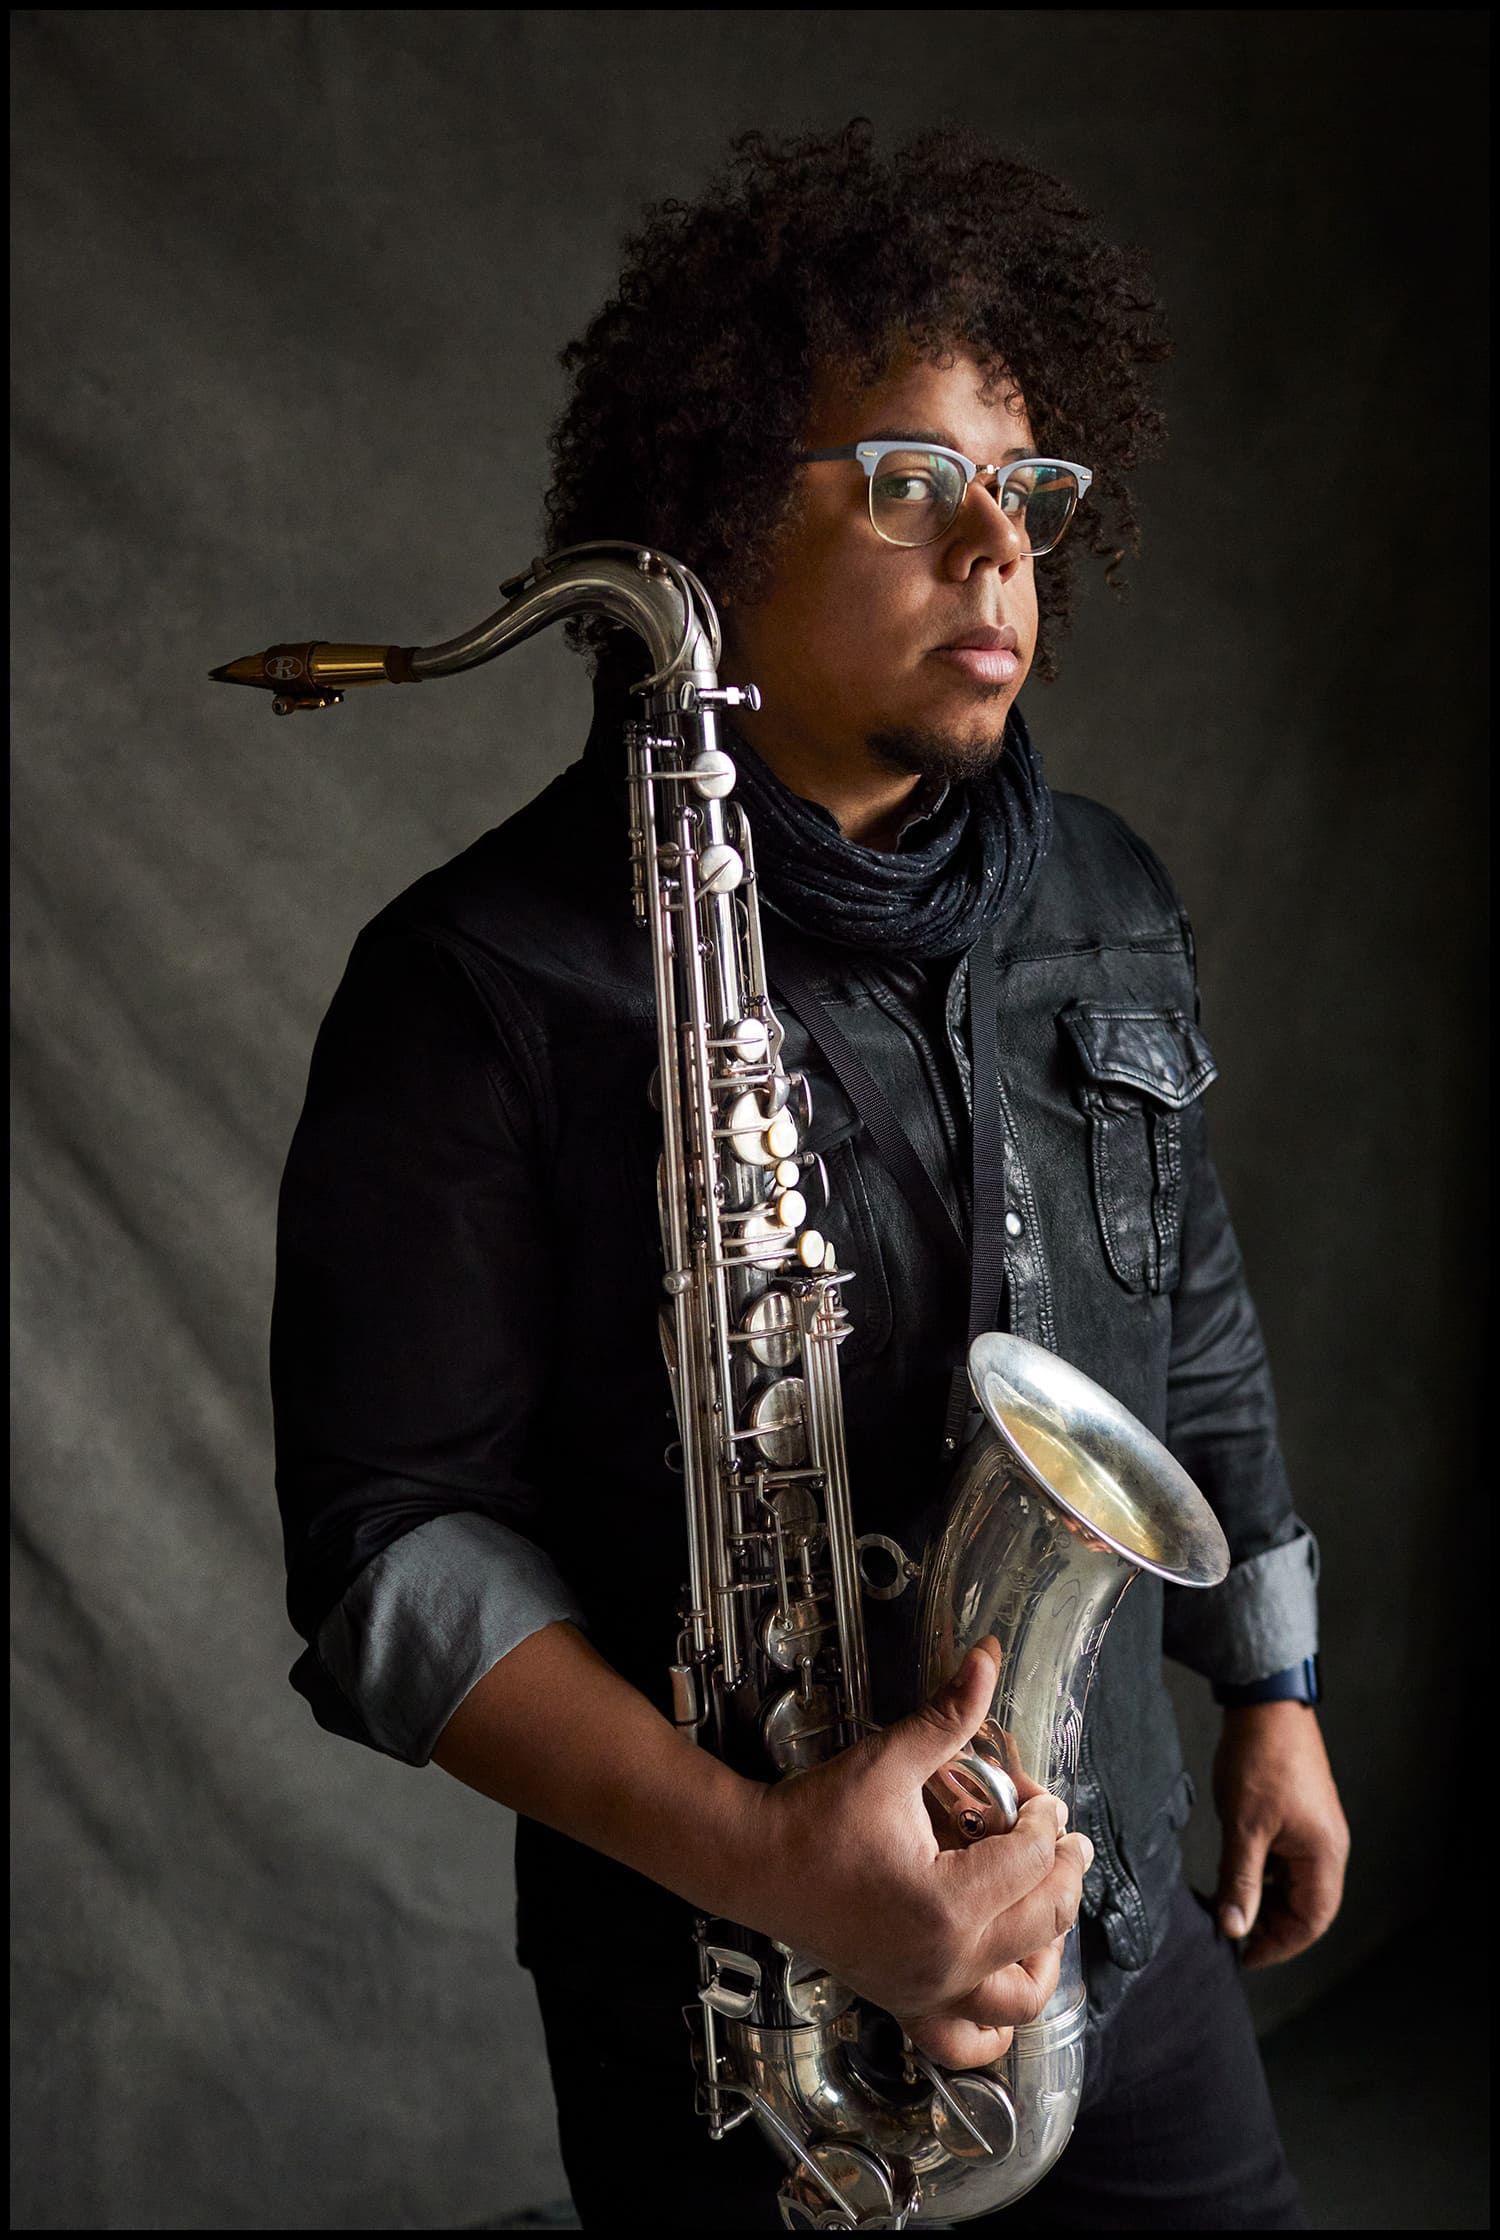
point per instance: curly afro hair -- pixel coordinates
(693, 382)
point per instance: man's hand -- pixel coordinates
(959, 1945)
(1285, 1838)
(841, 1862)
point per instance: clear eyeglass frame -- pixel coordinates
(871, 454)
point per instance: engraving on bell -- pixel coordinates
(771, 1322)
(778, 1417)
(720, 869)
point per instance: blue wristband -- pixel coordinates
(1299, 1683)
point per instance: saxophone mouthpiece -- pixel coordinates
(317, 675)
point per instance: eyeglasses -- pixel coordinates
(916, 490)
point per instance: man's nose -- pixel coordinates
(983, 515)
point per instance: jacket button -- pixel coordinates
(1013, 1224)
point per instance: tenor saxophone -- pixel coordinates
(1060, 1499)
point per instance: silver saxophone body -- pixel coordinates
(1059, 1500)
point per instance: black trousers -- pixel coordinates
(1175, 2130)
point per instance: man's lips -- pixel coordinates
(985, 640)
(987, 655)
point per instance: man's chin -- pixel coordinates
(925, 751)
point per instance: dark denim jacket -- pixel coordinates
(468, 1278)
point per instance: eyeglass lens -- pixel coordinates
(914, 496)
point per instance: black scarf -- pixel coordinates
(931, 897)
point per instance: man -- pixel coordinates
(823, 386)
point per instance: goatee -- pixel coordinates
(919, 753)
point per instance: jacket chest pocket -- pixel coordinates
(1136, 1072)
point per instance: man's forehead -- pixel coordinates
(954, 404)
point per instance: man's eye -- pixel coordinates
(906, 489)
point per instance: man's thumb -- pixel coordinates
(1241, 1876)
(929, 1737)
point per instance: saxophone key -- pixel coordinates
(763, 1240)
(778, 1421)
(781, 1138)
(800, 1734)
(732, 1985)
(688, 1708)
(793, 1633)
(712, 774)
(972, 2113)
(769, 1326)
(746, 1040)
(720, 869)
(809, 1990)
(796, 1515)
(759, 1138)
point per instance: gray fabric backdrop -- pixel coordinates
(290, 289)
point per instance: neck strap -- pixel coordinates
(978, 1263)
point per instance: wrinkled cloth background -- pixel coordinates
(290, 287)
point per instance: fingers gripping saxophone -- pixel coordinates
(1060, 1500)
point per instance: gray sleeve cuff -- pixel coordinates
(428, 1618)
(1260, 1619)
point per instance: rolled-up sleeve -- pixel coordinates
(1221, 1425)
(428, 1618)
(410, 1341)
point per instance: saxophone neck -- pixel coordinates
(656, 597)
